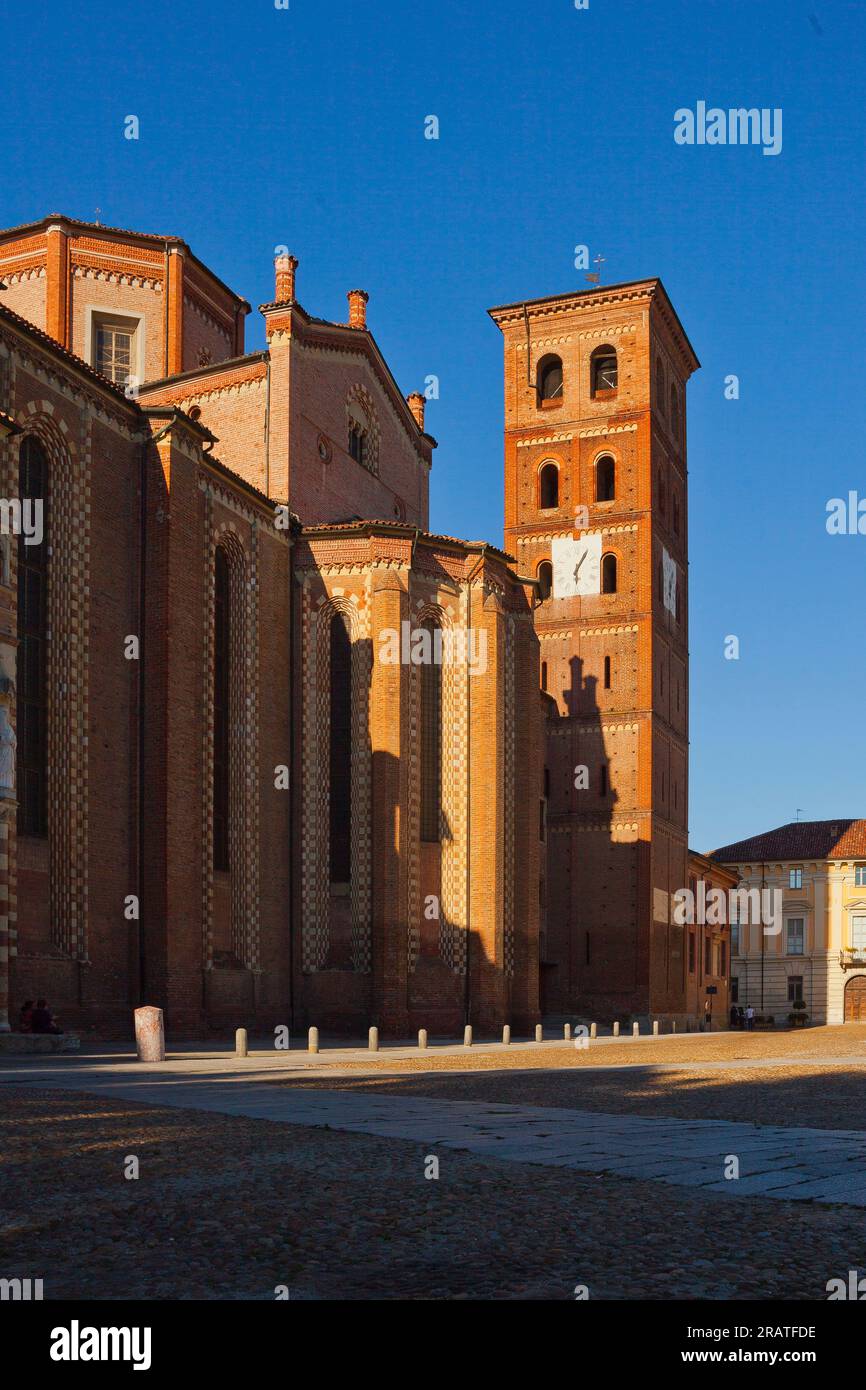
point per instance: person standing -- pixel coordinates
(750, 1018)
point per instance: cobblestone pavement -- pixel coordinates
(231, 1206)
(818, 1097)
(228, 1207)
(786, 1163)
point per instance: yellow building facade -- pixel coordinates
(811, 943)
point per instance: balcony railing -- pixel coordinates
(853, 958)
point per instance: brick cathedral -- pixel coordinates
(270, 751)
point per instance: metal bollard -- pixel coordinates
(313, 1040)
(506, 1035)
(635, 1030)
(422, 1038)
(373, 1039)
(467, 1035)
(616, 1030)
(538, 1032)
(655, 1028)
(240, 1042)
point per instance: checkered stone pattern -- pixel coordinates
(250, 920)
(209, 561)
(313, 912)
(315, 854)
(244, 864)
(8, 829)
(243, 751)
(360, 394)
(509, 760)
(69, 466)
(430, 612)
(6, 817)
(454, 911)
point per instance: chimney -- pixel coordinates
(284, 268)
(358, 308)
(416, 403)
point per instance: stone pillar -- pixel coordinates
(149, 1034)
(8, 808)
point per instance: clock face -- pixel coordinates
(669, 575)
(576, 565)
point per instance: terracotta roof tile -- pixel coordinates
(399, 528)
(805, 839)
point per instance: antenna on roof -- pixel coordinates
(594, 277)
(799, 813)
(96, 212)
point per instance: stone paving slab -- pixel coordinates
(802, 1164)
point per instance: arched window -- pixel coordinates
(548, 487)
(603, 371)
(431, 746)
(605, 479)
(675, 412)
(357, 442)
(607, 673)
(549, 380)
(608, 574)
(221, 713)
(340, 751)
(660, 386)
(545, 577)
(32, 682)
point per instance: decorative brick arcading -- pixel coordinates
(452, 906)
(509, 774)
(315, 848)
(69, 474)
(244, 770)
(360, 394)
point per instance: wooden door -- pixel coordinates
(855, 1000)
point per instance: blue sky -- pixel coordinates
(305, 126)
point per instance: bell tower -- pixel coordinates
(596, 509)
